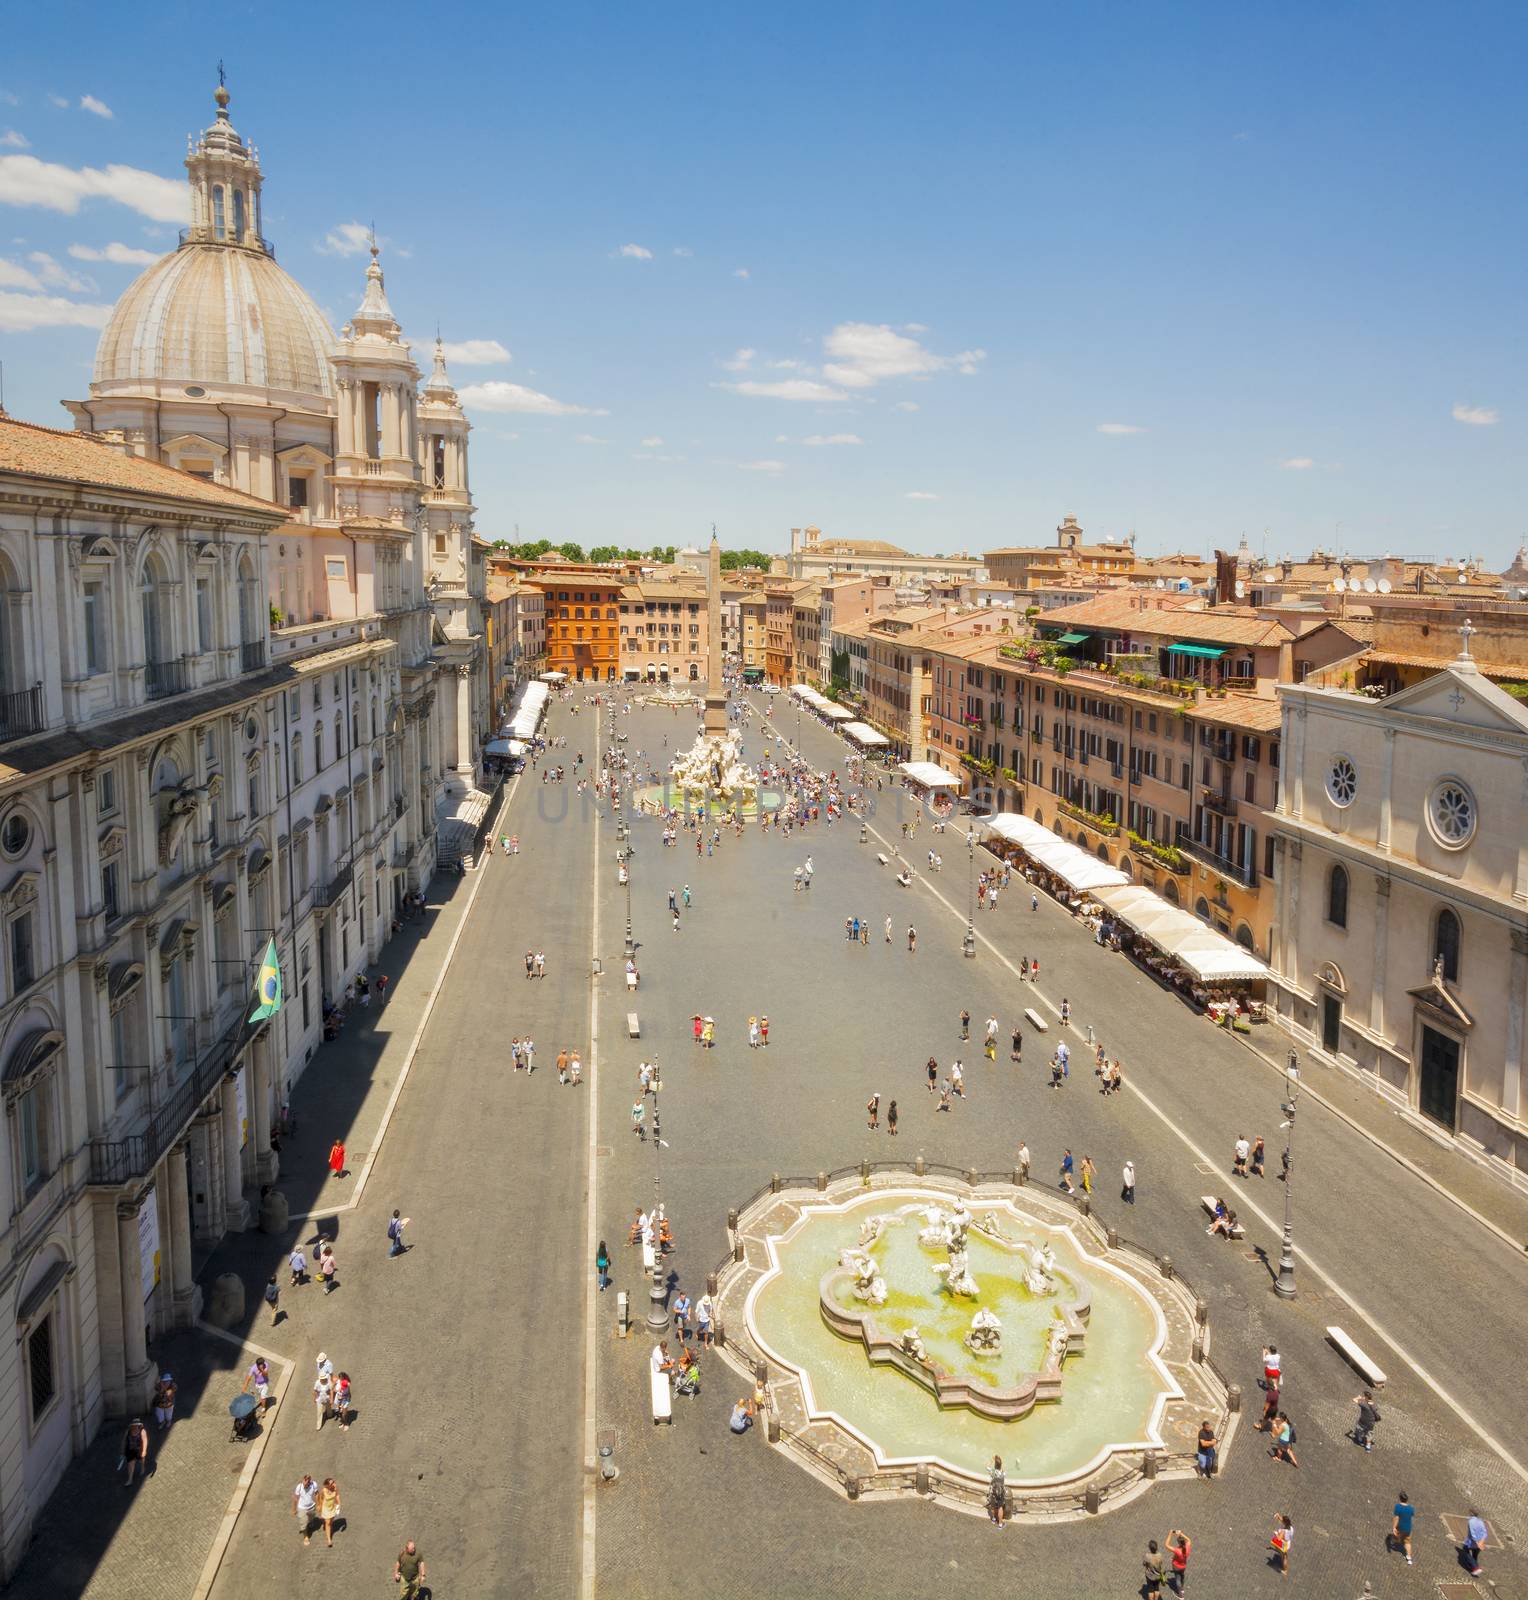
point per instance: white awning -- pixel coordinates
(929, 775)
(554, 676)
(1081, 872)
(503, 747)
(1209, 955)
(863, 734)
(836, 713)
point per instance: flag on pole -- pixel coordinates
(268, 986)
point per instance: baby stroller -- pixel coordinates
(243, 1412)
(687, 1380)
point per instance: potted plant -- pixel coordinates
(277, 617)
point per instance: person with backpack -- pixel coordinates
(1368, 1417)
(135, 1450)
(1284, 1438)
(395, 1227)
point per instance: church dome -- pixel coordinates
(215, 314)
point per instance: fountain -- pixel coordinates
(916, 1320)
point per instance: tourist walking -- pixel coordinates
(1204, 1455)
(1087, 1170)
(1401, 1520)
(409, 1571)
(958, 1079)
(753, 1033)
(342, 1400)
(764, 1033)
(1016, 1051)
(602, 1266)
(323, 1396)
(891, 1119)
(1066, 1172)
(164, 1401)
(705, 1311)
(1368, 1419)
(305, 1506)
(1476, 1533)
(1034, 901)
(1284, 1439)
(965, 1024)
(1127, 1185)
(997, 1493)
(337, 1158)
(1152, 1563)
(258, 1378)
(912, 940)
(395, 1227)
(638, 1112)
(328, 1267)
(1282, 1540)
(944, 1096)
(1257, 1158)
(873, 1106)
(328, 1508)
(273, 1298)
(933, 1075)
(298, 1262)
(888, 930)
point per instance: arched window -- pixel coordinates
(12, 666)
(249, 603)
(154, 594)
(1446, 944)
(217, 210)
(238, 214)
(1337, 897)
(1202, 908)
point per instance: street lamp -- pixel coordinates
(1284, 1287)
(657, 1294)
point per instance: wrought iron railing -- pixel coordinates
(164, 678)
(253, 656)
(21, 712)
(325, 894)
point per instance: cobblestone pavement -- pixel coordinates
(698, 1510)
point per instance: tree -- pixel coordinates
(733, 559)
(573, 551)
(605, 552)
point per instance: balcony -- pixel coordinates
(161, 679)
(114, 1162)
(1089, 819)
(1217, 801)
(1222, 748)
(21, 713)
(325, 894)
(1207, 856)
(252, 656)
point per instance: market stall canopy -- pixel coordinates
(863, 733)
(929, 775)
(554, 676)
(836, 713)
(1209, 955)
(1077, 869)
(503, 747)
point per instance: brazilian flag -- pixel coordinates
(268, 986)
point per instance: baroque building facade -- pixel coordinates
(243, 687)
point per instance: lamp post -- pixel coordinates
(657, 1294)
(968, 943)
(1284, 1287)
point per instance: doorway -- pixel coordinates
(1438, 1090)
(1331, 1023)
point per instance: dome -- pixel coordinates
(214, 314)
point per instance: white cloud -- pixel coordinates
(475, 352)
(782, 438)
(26, 181)
(348, 239)
(905, 405)
(498, 396)
(833, 438)
(740, 361)
(1298, 464)
(1120, 427)
(741, 272)
(785, 389)
(588, 438)
(11, 140)
(647, 455)
(773, 468)
(914, 327)
(652, 444)
(55, 276)
(788, 366)
(1476, 416)
(98, 108)
(863, 354)
(120, 255)
(683, 250)
(9, 99)
(61, 101)
(919, 494)
(635, 252)
(21, 313)
(15, 276)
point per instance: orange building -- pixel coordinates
(582, 622)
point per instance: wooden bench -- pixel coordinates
(663, 1400)
(633, 1027)
(1208, 1202)
(1036, 1021)
(1365, 1364)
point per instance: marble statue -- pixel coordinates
(1041, 1277)
(937, 1233)
(912, 1345)
(985, 1336)
(956, 1272)
(868, 1285)
(1057, 1340)
(871, 1229)
(182, 808)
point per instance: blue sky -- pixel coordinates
(1195, 270)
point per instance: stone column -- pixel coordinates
(464, 763)
(267, 1162)
(1381, 934)
(1382, 838)
(1512, 1061)
(138, 1375)
(204, 1153)
(235, 1208)
(186, 1297)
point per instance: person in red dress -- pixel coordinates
(337, 1158)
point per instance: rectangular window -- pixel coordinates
(204, 613)
(106, 791)
(297, 492)
(109, 891)
(41, 1376)
(95, 628)
(120, 1034)
(254, 796)
(23, 967)
(31, 1126)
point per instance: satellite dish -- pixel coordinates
(1241, 588)
(1161, 583)
(1271, 575)
(1384, 586)
(1370, 586)
(1339, 584)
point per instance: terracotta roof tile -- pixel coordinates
(67, 456)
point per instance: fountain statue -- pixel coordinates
(985, 1336)
(1041, 1277)
(868, 1285)
(1056, 1341)
(945, 1227)
(871, 1229)
(956, 1272)
(912, 1345)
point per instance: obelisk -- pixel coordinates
(716, 693)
